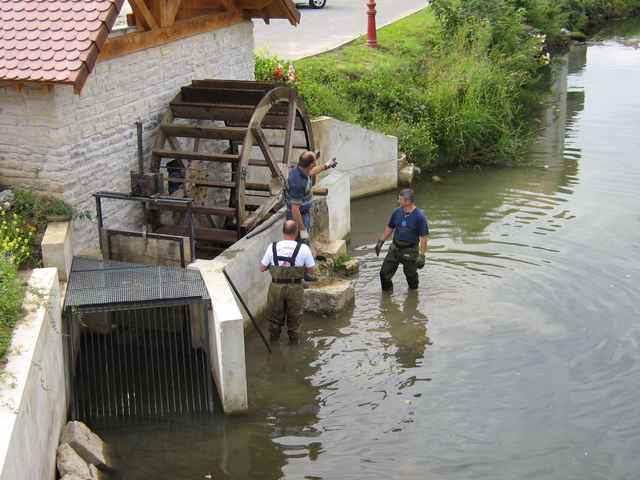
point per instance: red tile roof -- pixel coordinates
(53, 40)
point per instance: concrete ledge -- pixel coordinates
(33, 397)
(369, 158)
(338, 204)
(226, 328)
(57, 249)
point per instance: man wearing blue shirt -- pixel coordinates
(410, 230)
(299, 196)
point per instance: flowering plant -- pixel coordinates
(291, 78)
(15, 238)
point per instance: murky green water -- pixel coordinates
(520, 355)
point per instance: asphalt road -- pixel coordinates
(339, 22)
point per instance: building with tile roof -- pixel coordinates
(72, 88)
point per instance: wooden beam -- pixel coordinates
(168, 12)
(203, 157)
(125, 44)
(266, 153)
(141, 8)
(212, 133)
(291, 125)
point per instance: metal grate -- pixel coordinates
(136, 341)
(106, 285)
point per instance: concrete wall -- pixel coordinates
(339, 204)
(33, 398)
(226, 342)
(369, 158)
(74, 145)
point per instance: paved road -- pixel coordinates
(340, 21)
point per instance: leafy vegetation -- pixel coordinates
(11, 295)
(457, 82)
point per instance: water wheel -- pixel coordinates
(255, 131)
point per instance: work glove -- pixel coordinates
(304, 236)
(379, 247)
(420, 262)
(332, 164)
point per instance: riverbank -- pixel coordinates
(458, 84)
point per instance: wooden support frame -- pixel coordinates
(271, 123)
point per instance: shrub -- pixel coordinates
(16, 238)
(11, 296)
(37, 207)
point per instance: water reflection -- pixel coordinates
(407, 327)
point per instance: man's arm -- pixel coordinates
(263, 268)
(321, 168)
(297, 216)
(424, 245)
(388, 231)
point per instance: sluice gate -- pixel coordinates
(137, 342)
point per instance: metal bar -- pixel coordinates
(157, 322)
(147, 368)
(100, 219)
(140, 155)
(171, 357)
(207, 370)
(113, 399)
(185, 395)
(189, 346)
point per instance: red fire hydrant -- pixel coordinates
(371, 31)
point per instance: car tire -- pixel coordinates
(317, 3)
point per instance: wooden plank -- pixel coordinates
(141, 8)
(121, 45)
(208, 234)
(259, 215)
(291, 125)
(222, 211)
(205, 157)
(203, 183)
(212, 111)
(225, 96)
(214, 133)
(266, 152)
(235, 84)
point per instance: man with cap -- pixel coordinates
(410, 230)
(287, 260)
(299, 196)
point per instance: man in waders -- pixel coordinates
(287, 260)
(410, 228)
(299, 196)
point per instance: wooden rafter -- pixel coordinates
(141, 10)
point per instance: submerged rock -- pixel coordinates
(71, 464)
(87, 445)
(329, 299)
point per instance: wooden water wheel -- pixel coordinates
(258, 130)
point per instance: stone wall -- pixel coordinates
(74, 145)
(33, 393)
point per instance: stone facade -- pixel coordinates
(74, 145)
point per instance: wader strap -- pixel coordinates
(291, 260)
(274, 248)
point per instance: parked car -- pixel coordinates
(317, 3)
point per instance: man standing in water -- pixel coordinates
(410, 229)
(288, 261)
(299, 196)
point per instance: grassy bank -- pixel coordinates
(457, 83)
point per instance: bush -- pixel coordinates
(37, 207)
(16, 238)
(11, 296)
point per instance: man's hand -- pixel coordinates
(420, 262)
(379, 247)
(304, 235)
(332, 164)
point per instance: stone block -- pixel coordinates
(87, 444)
(329, 299)
(70, 463)
(352, 266)
(57, 249)
(332, 250)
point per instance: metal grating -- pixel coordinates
(106, 285)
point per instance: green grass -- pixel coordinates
(458, 83)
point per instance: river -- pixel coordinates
(519, 357)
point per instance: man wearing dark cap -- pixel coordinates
(287, 260)
(410, 230)
(299, 196)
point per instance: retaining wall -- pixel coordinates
(369, 158)
(33, 395)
